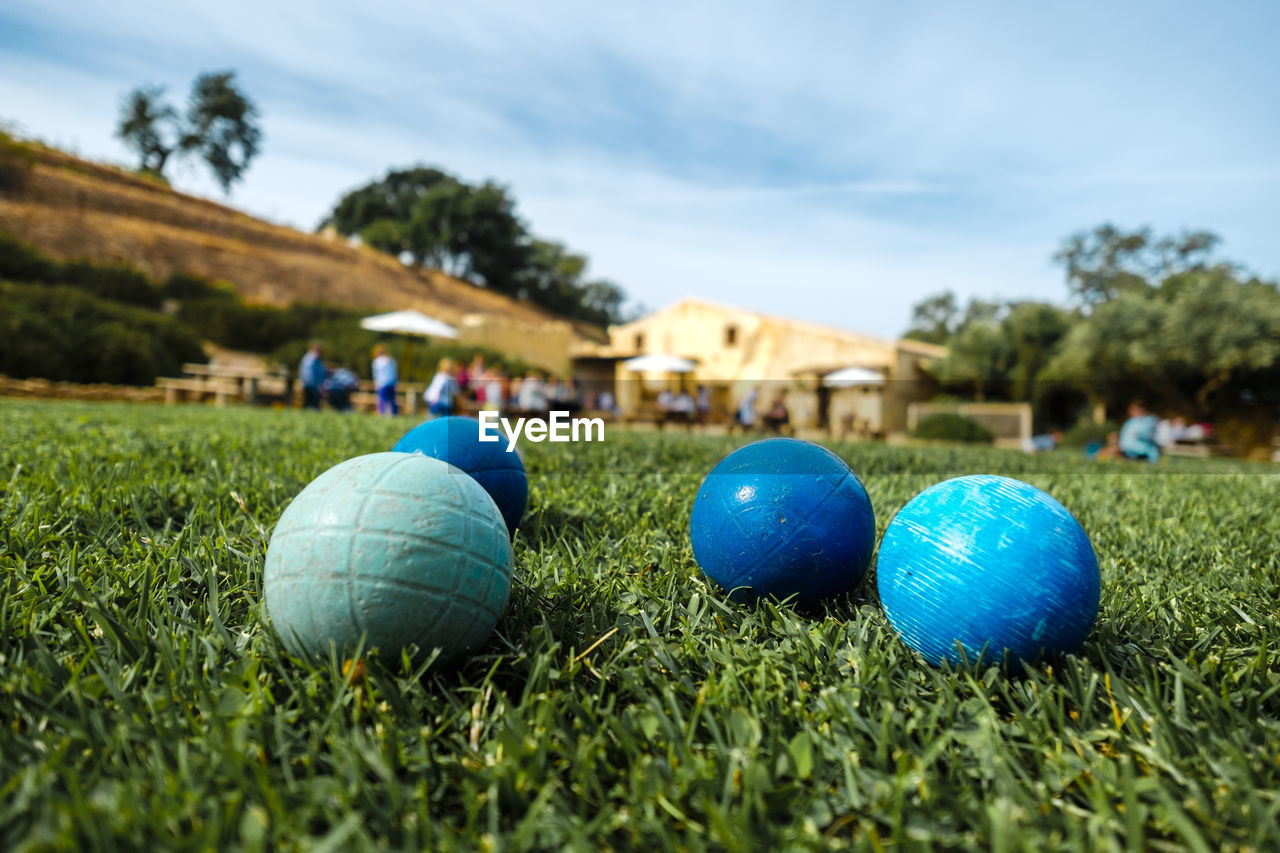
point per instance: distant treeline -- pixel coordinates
(1156, 318)
(83, 322)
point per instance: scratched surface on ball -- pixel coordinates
(992, 563)
(456, 440)
(780, 518)
(403, 548)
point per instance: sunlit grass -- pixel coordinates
(144, 701)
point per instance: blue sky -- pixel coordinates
(834, 162)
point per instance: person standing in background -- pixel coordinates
(531, 396)
(475, 376)
(494, 393)
(746, 414)
(443, 395)
(462, 375)
(312, 373)
(384, 381)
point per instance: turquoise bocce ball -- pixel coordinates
(456, 440)
(987, 569)
(782, 518)
(399, 548)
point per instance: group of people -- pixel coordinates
(681, 407)
(457, 386)
(326, 383)
(750, 415)
(775, 417)
(462, 387)
(1143, 436)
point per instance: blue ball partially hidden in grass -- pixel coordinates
(974, 568)
(394, 548)
(781, 518)
(456, 440)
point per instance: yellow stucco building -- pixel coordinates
(735, 349)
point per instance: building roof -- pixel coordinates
(917, 347)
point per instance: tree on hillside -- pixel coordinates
(554, 277)
(386, 202)
(479, 236)
(149, 127)
(430, 218)
(436, 220)
(220, 126)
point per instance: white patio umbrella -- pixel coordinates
(409, 322)
(849, 377)
(659, 363)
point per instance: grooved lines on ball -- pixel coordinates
(445, 556)
(781, 542)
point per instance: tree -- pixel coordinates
(978, 354)
(430, 218)
(150, 127)
(486, 239)
(1032, 330)
(1108, 261)
(934, 318)
(220, 126)
(1216, 327)
(1192, 337)
(393, 198)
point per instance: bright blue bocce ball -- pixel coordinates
(781, 518)
(400, 549)
(978, 566)
(456, 440)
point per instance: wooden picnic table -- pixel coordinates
(249, 380)
(225, 383)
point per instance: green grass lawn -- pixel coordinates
(623, 702)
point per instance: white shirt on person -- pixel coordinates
(384, 371)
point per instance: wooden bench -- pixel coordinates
(250, 381)
(177, 389)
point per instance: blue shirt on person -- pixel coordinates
(1138, 438)
(312, 371)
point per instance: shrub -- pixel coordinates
(20, 262)
(118, 283)
(952, 427)
(64, 334)
(1082, 435)
(16, 163)
(182, 287)
(258, 328)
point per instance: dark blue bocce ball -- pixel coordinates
(456, 440)
(782, 518)
(988, 569)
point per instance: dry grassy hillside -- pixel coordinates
(71, 208)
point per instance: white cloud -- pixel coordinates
(832, 162)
